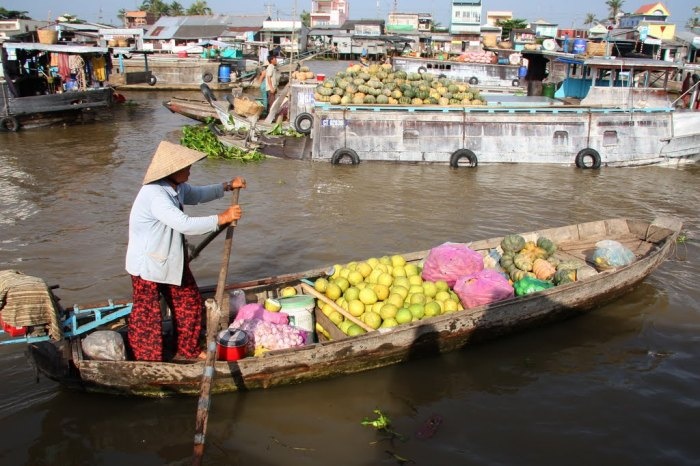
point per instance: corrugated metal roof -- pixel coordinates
(200, 27)
(199, 32)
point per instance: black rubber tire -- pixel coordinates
(588, 159)
(206, 91)
(303, 123)
(442, 75)
(341, 155)
(152, 80)
(207, 77)
(9, 123)
(463, 154)
(515, 82)
(422, 69)
(473, 80)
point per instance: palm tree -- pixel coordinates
(121, 14)
(694, 22)
(199, 7)
(510, 24)
(305, 18)
(176, 9)
(590, 19)
(12, 14)
(615, 7)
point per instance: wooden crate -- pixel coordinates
(596, 49)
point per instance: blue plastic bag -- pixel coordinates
(609, 254)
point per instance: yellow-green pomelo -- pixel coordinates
(364, 268)
(374, 275)
(432, 309)
(442, 285)
(398, 271)
(398, 260)
(442, 295)
(388, 311)
(272, 305)
(320, 285)
(381, 267)
(417, 310)
(411, 269)
(356, 307)
(342, 302)
(372, 319)
(398, 289)
(372, 261)
(402, 281)
(355, 330)
(388, 323)
(355, 277)
(336, 271)
(451, 306)
(344, 272)
(382, 291)
(376, 307)
(343, 283)
(386, 260)
(417, 298)
(415, 280)
(336, 317)
(361, 285)
(351, 265)
(326, 308)
(415, 289)
(403, 316)
(368, 296)
(385, 279)
(351, 293)
(429, 289)
(395, 299)
(344, 325)
(288, 291)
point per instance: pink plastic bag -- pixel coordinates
(484, 287)
(450, 261)
(257, 311)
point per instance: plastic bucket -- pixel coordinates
(579, 46)
(300, 310)
(320, 77)
(548, 89)
(522, 72)
(224, 73)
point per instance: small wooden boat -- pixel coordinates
(196, 109)
(651, 243)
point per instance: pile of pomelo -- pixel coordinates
(383, 292)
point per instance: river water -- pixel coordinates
(617, 386)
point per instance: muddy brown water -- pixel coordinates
(617, 386)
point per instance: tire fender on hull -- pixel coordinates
(588, 158)
(463, 154)
(422, 69)
(9, 123)
(345, 156)
(207, 77)
(303, 123)
(473, 80)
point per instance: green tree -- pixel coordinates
(510, 24)
(176, 9)
(121, 14)
(614, 7)
(590, 19)
(305, 18)
(199, 7)
(13, 14)
(694, 22)
(157, 7)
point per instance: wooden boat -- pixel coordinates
(196, 109)
(651, 243)
(33, 96)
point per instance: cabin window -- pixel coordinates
(561, 138)
(610, 138)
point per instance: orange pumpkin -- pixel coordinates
(543, 269)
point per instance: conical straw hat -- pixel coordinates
(170, 158)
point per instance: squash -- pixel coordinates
(523, 262)
(543, 269)
(512, 243)
(529, 246)
(507, 261)
(553, 260)
(564, 276)
(546, 244)
(539, 253)
(517, 274)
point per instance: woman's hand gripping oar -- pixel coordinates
(214, 322)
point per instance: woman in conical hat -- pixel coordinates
(156, 254)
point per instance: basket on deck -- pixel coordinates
(245, 106)
(47, 36)
(596, 49)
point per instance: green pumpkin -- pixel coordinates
(523, 262)
(546, 244)
(512, 243)
(564, 276)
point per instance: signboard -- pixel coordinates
(643, 33)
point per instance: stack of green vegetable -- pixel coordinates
(201, 138)
(380, 84)
(533, 266)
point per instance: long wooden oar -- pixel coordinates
(214, 322)
(308, 289)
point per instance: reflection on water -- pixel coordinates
(612, 387)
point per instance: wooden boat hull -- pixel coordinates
(199, 110)
(651, 243)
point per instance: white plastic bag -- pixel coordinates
(104, 345)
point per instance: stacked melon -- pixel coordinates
(303, 74)
(380, 84)
(535, 259)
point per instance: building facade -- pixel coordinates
(465, 17)
(329, 13)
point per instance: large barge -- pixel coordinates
(605, 112)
